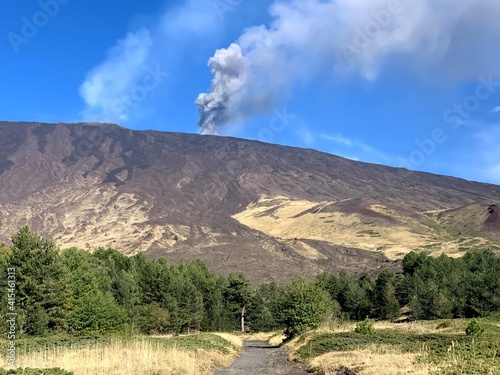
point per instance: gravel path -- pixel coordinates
(258, 358)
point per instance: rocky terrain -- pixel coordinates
(270, 211)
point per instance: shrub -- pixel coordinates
(474, 328)
(444, 324)
(303, 307)
(366, 327)
(152, 319)
(97, 313)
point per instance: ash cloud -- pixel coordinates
(231, 75)
(455, 39)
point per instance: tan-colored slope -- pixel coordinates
(354, 223)
(77, 211)
(477, 219)
(174, 195)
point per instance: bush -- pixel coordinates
(152, 319)
(304, 307)
(474, 328)
(366, 327)
(32, 371)
(96, 314)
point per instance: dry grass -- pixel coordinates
(277, 339)
(139, 357)
(285, 223)
(413, 327)
(338, 326)
(287, 219)
(257, 336)
(237, 341)
(375, 360)
(398, 355)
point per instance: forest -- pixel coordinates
(77, 292)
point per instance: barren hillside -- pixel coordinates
(267, 210)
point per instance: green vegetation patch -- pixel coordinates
(452, 353)
(32, 371)
(35, 344)
(407, 342)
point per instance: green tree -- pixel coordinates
(429, 302)
(385, 295)
(351, 293)
(238, 297)
(5, 253)
(483, 283)
(263, 315)
(42, 283)
(304, 306)
(96, 313)
(152, 319)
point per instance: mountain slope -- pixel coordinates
(270, 211)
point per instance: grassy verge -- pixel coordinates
(182, 355)
(404, 348)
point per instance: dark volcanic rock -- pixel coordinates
(173, 195)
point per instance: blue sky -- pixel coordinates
(412, 84)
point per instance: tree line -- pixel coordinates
(81, 293)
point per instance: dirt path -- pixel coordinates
(258, 358)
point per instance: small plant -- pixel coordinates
(444, 324)
(474, 328)
(366, 327)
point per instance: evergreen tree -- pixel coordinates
(42, 283)
(238, 297)
(385, 295)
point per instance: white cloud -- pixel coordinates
(108, 83)
(134, 65)
(364, 151)
(496, 109)
(458, 38)
(337, 139)
(304, 132)
(347, 156)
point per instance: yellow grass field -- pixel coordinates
(291, 220)
(371, 357)
(140, 356)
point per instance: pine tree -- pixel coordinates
(43, 292)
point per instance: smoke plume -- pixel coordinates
(230, 71)
(453, 38)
